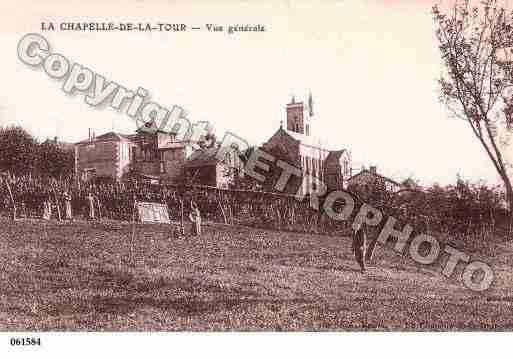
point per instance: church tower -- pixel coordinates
(298, 118)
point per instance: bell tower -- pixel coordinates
(298, 118)
(295, 116)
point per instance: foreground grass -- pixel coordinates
(78, 277)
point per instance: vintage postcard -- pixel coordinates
(298, 166)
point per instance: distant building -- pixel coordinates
(108, 155)
(206, 168)
(306, 151)
(154, 156)
(160, 154)
(371, 178)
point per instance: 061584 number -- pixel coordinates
(25, 341)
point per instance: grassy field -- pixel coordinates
(78, 277)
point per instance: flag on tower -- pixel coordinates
(310, 105)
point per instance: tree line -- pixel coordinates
(23, 154)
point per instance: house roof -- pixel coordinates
(335, 155)
(373, 174)
(205, 157)
(109, 136)
(307, 141)
(151, 125)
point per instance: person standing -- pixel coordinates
(90, 200)
(47, 208)
(359, 245)
(195, 217)
(67, 203)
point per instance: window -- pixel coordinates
(307, 129)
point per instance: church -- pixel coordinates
(304, 149)
(159, 156)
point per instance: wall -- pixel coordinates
(102, 156)
(336, 175)
(124, 153)
(174, 160)
(206, 175)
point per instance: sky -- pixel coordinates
(371, 67)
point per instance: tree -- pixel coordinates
(54, 161)
(18, 149)
(476, 86)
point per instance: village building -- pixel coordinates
(108, 155)
(158, 156)
(305, 151)
(370, 178)
(152, 155)
(205, 167)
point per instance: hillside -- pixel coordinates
(77, 277)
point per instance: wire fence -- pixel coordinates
(116, 201)
(447, 211)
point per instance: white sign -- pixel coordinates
(153, 212)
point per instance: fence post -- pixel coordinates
(12, 200)
(131, 246)
(182, 229)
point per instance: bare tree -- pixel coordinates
(476, 84)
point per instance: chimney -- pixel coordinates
(55, 139)
(372, 169)
(89, 134)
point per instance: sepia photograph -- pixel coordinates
(202, 167)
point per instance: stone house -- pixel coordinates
(371, 178)
(160, 155)
(108, 155)
(204, 167)
(155, 156)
